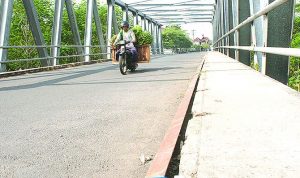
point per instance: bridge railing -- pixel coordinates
(49, 55)
(258, 30)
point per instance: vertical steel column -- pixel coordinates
(265, 44)
(125, 13)
(157, 39)
(36, 31)
(114, 18)
(135, 18)
(99, 29)
(143, 22)
(215, 38)
(231, 36)
(279, 35)
(152, 33)
(222, 25)
(235, 13)
(146, 25)
(88, 30)
(253, 34)
(109, 26)
(111, 22)
(245, 31)
(259, 30)
(74, 27)
(154, 50)
(56, 32)
(6, 10)
(226, 21)
(149, 26)
(219, 25)
(161, 51)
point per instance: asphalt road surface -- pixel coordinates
(89, 121)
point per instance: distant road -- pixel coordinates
(89, 121)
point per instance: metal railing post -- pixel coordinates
(88, 30)
(6, 10)
(109, 26)
(253, 33)
(56, 32)
(265, 44)
(235, 12)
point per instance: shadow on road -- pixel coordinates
(54, 81)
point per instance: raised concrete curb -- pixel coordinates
(161, 161)
(244, 125)
(49, 68)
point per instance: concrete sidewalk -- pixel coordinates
(244, 125)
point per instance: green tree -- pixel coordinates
(294, 68)
(20, 34)
(175, 38)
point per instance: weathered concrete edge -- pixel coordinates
(161, 161)
(49, 68)
(189, 154)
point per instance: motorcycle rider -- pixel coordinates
(129, 36)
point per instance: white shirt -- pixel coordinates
(127, 36)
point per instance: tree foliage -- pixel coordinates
(174, 37)
(294, 68)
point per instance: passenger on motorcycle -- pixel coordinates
(129, 36)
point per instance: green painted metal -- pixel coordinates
(245, 31)
(279, 35)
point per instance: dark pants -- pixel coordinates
(132, 51)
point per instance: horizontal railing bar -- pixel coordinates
(264, 11)
(272, 50)
(46, 58)
(51, 46)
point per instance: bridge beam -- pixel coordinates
(56, 32)
(125, 13)
(279, 35)
(245, 31)
(235, 14)
(111, 23)
(6, 10)
(88, 30)
(135, 18)
(101, 40)
(74, 28)
(231, 36)
(36, 31)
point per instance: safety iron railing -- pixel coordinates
(260, 31)
(83, 49)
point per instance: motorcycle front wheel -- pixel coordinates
(123, 65)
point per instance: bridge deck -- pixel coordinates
(245, 124)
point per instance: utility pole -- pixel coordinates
(193, 32)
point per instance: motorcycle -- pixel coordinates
(125, 59)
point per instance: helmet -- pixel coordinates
(125, 23)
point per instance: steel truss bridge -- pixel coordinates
(258, 30)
